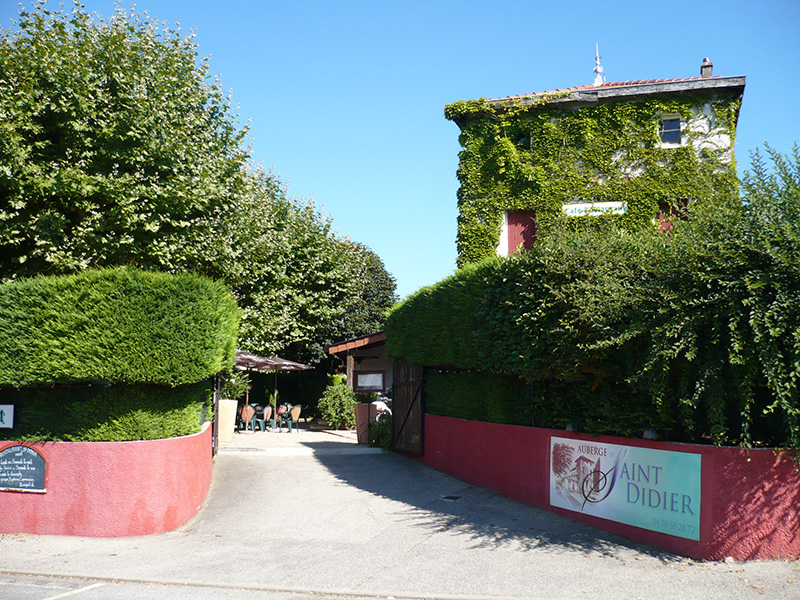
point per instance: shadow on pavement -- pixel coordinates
(441, 503)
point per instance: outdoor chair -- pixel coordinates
(264, 423)
(247, 416)
(291, 417)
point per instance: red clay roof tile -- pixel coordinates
(608, 84)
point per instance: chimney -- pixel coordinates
(706, 68)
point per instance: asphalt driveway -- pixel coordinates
(312, 513)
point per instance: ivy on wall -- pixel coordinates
(539, 156)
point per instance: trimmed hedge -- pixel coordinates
(122, 326)
(478, 396)
(438, 324)
(88, 413)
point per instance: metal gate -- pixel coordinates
(407, 409)
(215, 422)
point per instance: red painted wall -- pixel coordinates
(112, 489)
(750, 499)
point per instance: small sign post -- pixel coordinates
(6, 416)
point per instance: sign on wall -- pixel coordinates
(369, 381)
(22, 469)
(657, 490)
(583, 209)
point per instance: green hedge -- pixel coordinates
(478, 396)
(88, 413)
(437, 325)
(694, 334)
(117, 325)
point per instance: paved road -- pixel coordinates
(312, 514)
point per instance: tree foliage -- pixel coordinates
(300, 286)
(116, 148)
(371, 296)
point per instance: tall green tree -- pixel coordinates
(117, 148)
(300, 285)
(373, 294)
(114, 144)
(288, 270)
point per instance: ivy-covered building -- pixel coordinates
(635, 152)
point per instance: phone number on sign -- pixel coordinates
(673, 526)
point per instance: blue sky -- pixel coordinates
(345, 98)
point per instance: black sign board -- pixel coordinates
(22, 469)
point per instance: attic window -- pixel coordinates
(670, 130)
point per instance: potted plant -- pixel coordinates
(234, 385)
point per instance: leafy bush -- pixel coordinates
(235, 384)
(337, 379)
(694, 333)
(116, 325)
(338, 406)
(380, 433)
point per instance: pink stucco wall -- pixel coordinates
(112, 489)
(750, 499)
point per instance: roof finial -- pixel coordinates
(599, 78)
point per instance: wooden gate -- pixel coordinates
(407, 409)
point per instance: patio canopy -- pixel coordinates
(250, 362)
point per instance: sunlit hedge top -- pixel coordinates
(116, 325)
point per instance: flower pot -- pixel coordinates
(365, 416)
(227, 419)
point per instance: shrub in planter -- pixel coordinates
(234, 385)
(380, 433)
(338, 406)
(337, 379)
